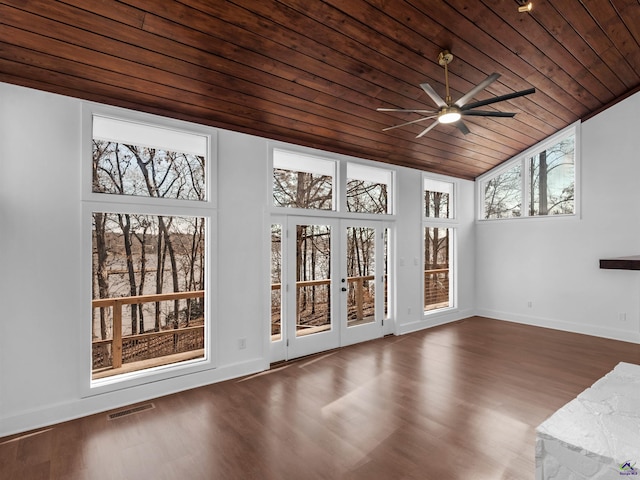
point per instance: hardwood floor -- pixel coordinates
(454, 402)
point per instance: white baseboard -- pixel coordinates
(585, 329)
(433, 320)
(82, 407)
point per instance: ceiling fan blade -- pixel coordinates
(462, 127)
(437, 99)
(487, 113)
(406, 110)
(475, 90)
(409, 123)
(501, 98)
(426, 130)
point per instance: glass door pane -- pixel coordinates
(385, 253)
(362, 281)
(276, 282)
(313, 279)
(361, 269)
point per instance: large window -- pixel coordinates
(542, 182)
(149, 257)
(437, 252)
(438, 232)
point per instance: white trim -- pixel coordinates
(441, 317)
(556, 324)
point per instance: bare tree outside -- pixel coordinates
(437, 204)
(313, 278)
(361, 269)
(302, 190)
(366, 197)
(276, 282)
(552, 186)
(503, 194)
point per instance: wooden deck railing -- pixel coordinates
(436, 288)
(117, 303)
(439, 278)
(359, 289)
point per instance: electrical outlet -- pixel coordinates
(622, 316)
(529, 304)
(242, 343)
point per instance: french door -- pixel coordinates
(328, 284)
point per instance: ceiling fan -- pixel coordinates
(452, 112)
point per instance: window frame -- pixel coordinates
(105, 202)
(451, 224)
(522, 159)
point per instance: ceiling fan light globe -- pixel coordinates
(449, 117)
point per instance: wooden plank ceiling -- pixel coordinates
(313, 72)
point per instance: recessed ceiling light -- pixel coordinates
(525, 7)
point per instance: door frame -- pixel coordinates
(290, 346)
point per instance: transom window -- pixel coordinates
(368, 189)
(143, 160)
(541, 182)
(438, 199)
(315, 183)
(303, 181)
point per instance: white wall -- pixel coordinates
(554, 263)
(41, 264)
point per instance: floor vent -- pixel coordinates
(130, 411)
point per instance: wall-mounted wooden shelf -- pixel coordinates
(621, 263)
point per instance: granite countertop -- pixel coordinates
(600, 427)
